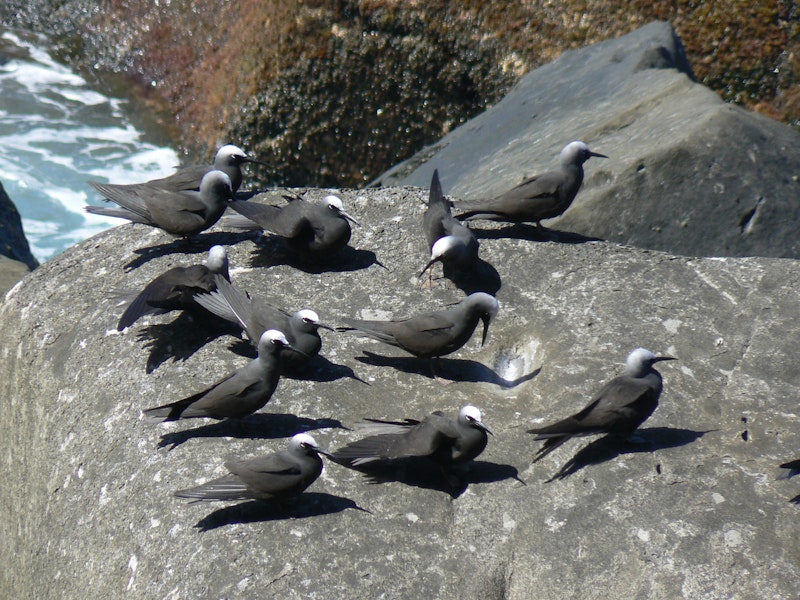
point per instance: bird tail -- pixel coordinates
(169, 412)
(229, 487)
(238, 222)
(117, 212)
(263, 215)
(436, 195)
(127, 198)
(367, 329)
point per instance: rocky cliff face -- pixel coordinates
(688, 174)
(694, 511)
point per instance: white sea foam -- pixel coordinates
(55, 134)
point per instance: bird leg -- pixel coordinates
(441, 380)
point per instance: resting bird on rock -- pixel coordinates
(618, 408)
(540, 197)
(450, 242)
(183, 213)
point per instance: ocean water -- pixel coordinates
(56, 132)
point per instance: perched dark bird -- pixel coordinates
(300, 328)
(183, 213)
(444, 440)
(450, 242)
(618, 408)
(175, 289)
(241, 393)
(229, 160)
(310, 228)
(432, 334)
(540, 197)
(279, 475)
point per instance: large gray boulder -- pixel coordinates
(687, 173)
(87, 505)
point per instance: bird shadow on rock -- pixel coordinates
(524, 231)
(318, 369)
(198, 244)
(609, 447)
(309, 504)
(422, 472)
(258, 426)
(483, 277)
(452, 369)
(272, 251)
(182, 337)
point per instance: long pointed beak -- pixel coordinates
(660, 358)
(323, 326)
(597, 154)
(349, 218)
(319, 450)
(486, 320)
(428, 266)
(297, 350)
(256, 162)
(484, 427)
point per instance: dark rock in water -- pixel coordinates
(687, 173)
(86, 501)
(12, 238)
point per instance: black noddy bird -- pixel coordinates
(432, 334)
(300, 328)
(229, 160)
(241, 393)
(310, 228)
(182, 213)
(540, 197)
(444, 440)
(278, 475)
(175, 289)
(618, 408)
(450, 242)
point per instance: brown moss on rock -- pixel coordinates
(332, 92)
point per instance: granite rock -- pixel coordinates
(696, 511)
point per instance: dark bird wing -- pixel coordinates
(264, 215)
(420, 335)
(276, 475)
(534, 199)
(401, 440)
(619, 407)
(237, 395)
(171, 290)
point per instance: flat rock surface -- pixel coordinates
(695, 511)
(686, 173)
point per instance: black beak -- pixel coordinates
(486, 320)
(428, 266)
(597, 154)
